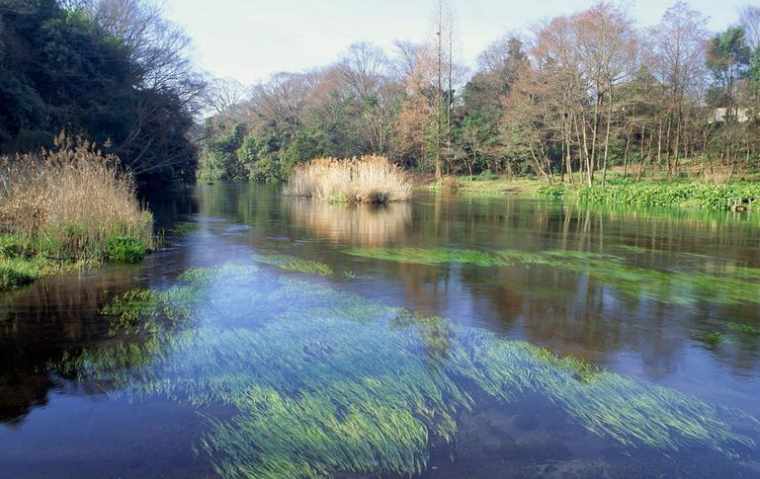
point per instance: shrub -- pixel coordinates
(123, 249)
(367, 179)
(15, 273)
(554, 192)
(11, 247)
(69, 201)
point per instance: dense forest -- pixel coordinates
(114, 71)
(580, 94)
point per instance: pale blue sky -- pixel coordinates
(251, 39)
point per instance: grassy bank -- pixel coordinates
(64, 209)
(368, 179)
(736, 196)
(693, 194)
(484, 186)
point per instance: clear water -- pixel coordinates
(444, 338)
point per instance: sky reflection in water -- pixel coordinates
(299, 341)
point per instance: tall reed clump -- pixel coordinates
(366, 179)
(71, 204)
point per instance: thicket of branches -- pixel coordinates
(115, 71)
(580, 94)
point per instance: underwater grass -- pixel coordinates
(433, 256)
(743, 328)
(325, 382)
(727, 285)
(294, 264)
(184, 228)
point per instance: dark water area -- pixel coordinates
(449, 337)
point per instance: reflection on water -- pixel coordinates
(363, 225)
(444, 338)
(327, 382)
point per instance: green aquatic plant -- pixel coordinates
(712, 338)
(732, 285)
(743, 328)
(432, 256)
(581, 370)
(125, 249)
(294, 264)
(17, 272)
(184, 228)
(324, 382)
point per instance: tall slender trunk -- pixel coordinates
(607, 139)
(659, 144)
(594, 134)
(439, 122)
(625, 152)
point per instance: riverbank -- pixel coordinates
(736, 196)
(67, 209)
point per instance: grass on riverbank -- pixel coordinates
(617, 191)
(486, 186)
(65, 208)
(367, 179)
(736, 196)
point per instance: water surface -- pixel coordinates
(448, 337)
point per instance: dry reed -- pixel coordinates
(367, 179)
(70, 201)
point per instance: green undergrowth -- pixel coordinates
(488, 185)
(672, 195)
(123, 249)
(24, 260)
(184, 228)
(726, 284)
(327, 383)
(18, 272)
(294, 264)
(22, 263)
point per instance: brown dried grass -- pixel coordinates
(366, 179)
(72, 199)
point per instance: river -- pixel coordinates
(449, 337)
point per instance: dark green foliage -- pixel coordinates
(123, 249)
(59, 69)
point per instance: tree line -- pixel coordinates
(580, 94)
(115, 71)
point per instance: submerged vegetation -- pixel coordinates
(312, 399)
(294, 264)
(368, 179)
(722, 285)
(433, 256)
(66, 206)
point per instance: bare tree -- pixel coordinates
(749, 18)
(225, 94)
(364, 67)
(677, 58)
